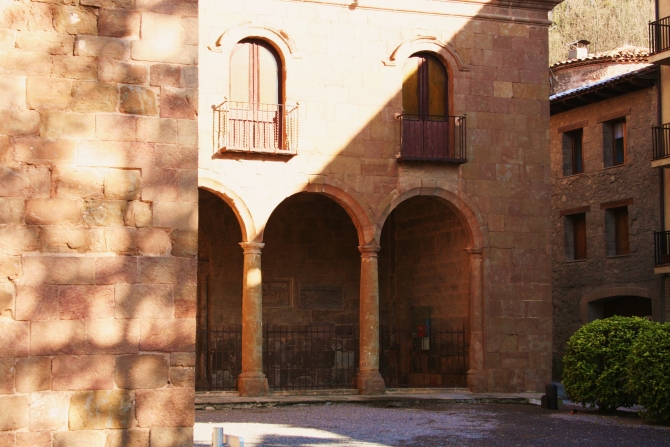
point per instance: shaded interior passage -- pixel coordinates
(424, 275)
(623, 306)
(311, 277)
(220, 260)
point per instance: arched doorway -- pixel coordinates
(220, 257)
(311, 282)
(424, 284)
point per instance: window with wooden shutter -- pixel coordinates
(575, 236)
(579, 225)
(621, 230)
(619, 142)
(254, 73)
(577, 152)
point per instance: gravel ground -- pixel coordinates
(428, 424)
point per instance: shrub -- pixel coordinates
(595, 364)
(649, 372)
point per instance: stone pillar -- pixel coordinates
(252, 381)
(476, 377)
(369, 379)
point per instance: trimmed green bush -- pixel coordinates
(595, 365)
(649, 372)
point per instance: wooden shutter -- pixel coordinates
(621, 230)
(577, 152)
(579, 229)
(410, 86)
(619, 142)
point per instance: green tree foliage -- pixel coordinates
(649, 372)
(595, 365)
(607, 24)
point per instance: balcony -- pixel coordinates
(662, 252)
(660, 145)
(255, 128)
(659, 41)
(432, 138)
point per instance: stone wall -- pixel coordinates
(343, 66)
(573, 280)
(98, 221)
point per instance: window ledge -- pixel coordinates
(606, 168)
(574, 261)
(617, 256)
(573, 175)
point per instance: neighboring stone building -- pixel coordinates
(425, 258)
(407, 249)
(605, 194)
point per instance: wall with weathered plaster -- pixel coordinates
(343, 66)
(98, 222)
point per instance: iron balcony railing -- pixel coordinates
(659, 35)
(661, 248)
(432, 138)
(660, 141)
(261, 128)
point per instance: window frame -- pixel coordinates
(569, 138)
(254, 69)
(609, 142)
(576, 246)
(617, 233)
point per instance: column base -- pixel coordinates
(370, 382)
(477, 382)
(252, 385)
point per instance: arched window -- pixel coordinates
(255, 73)
(428, 132)
(425, 88)
(254, 118)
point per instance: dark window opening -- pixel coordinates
(614, 143)
(573, 154)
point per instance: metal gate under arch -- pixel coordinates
(326, 356)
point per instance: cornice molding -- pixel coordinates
(454, 8)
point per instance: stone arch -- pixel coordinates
(249, 233)
(431, 44)
(354, 205)
(466, 210)
(280, 38)
(613, 292)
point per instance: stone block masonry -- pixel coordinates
(98, 220)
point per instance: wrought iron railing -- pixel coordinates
(659, 35)
(661, 247)
(326, 356)
(249, 127)
(432, 138)
(221, 361)
(660, 141)
(439, 360)
(309, 357)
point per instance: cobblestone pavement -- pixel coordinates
(428, 424)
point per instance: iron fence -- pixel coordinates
(221, 361)
(439, 360)
(433, 138)
(248, 127)
(326, 356)
(308, 357)
(659, 35)
(660, 141)
(661, 248)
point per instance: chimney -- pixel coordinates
(578, 49)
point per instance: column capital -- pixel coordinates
(252, 247)
(369, 251)
(476, 253)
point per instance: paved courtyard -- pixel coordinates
(432, 424)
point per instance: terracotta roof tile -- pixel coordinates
(624, 54)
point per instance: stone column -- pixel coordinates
(369, 379)
(252, 381)
(476, 377)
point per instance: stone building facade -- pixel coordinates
(109, 250)
(604, 209)
(339, 226)
(98, 222)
